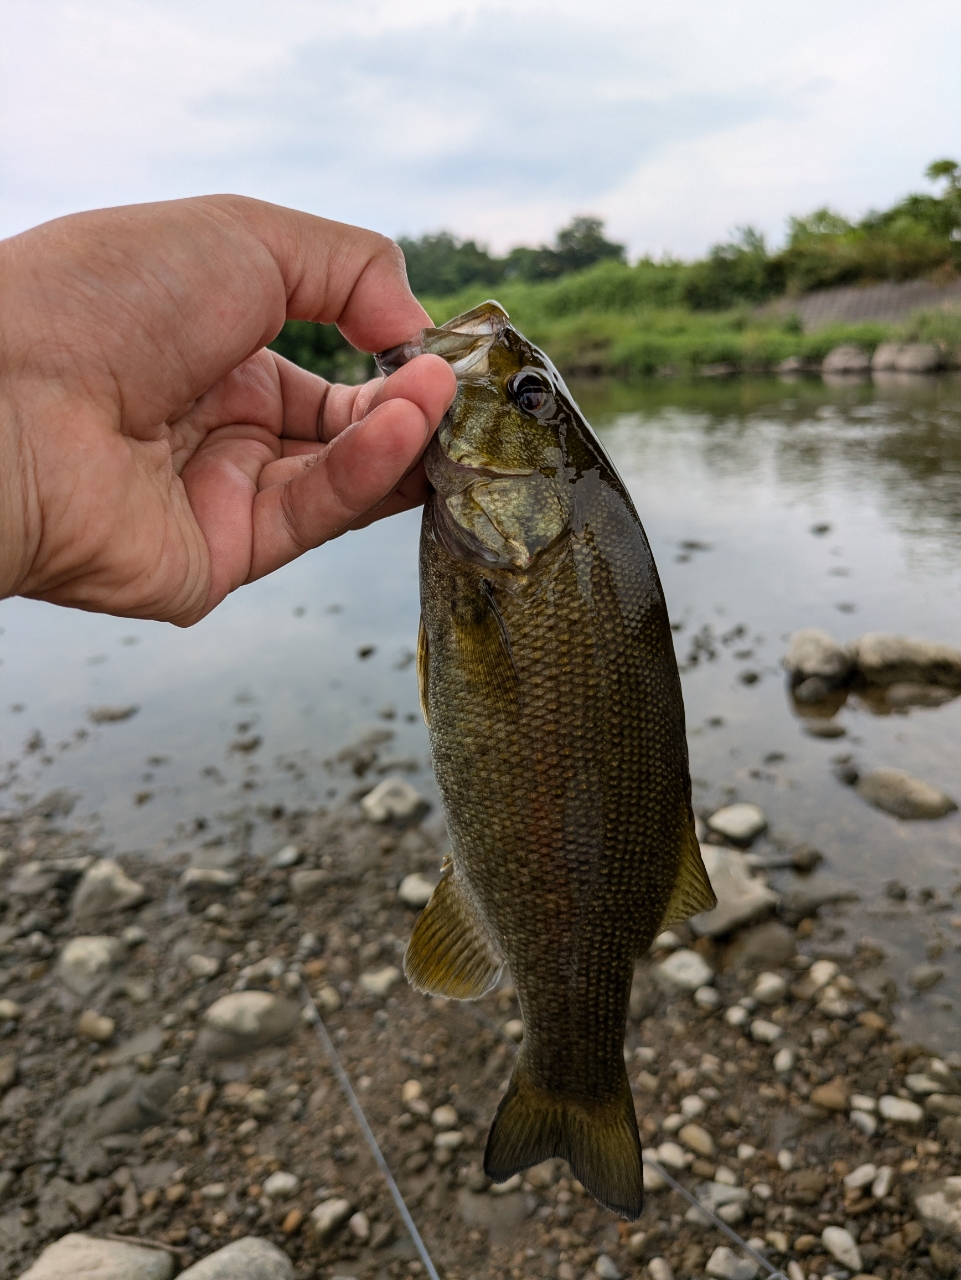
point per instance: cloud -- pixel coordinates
(495, 119)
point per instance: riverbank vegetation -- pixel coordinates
(596, 314)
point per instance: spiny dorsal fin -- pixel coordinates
(423, 670)
(692, 889)
(449, 953)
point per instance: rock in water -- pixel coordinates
(740, 897)
(244, 1021)
(82, 1257)
(392, 798)
(106, 887)
(86, 962)
(740, 823)
(846, 359)
(250, 1258)
(813, 652)
(886, 660)
(897, 793)
(939, 1204)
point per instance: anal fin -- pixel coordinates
(449, 953)
(692, 889)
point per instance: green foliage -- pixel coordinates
(322, 349)
(739, 272)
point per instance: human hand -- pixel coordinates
(153, 455)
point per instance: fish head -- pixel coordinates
(511, 447)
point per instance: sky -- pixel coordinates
(495, 119)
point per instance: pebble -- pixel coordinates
(925, 976)
(693, 1106)
(246, 1020)
(666, 941)
(833, 1096)
(514, 1183)
(784, 1061)
(672, 1156)
(281, 1184)
(307, 885)
(378, 982)
(444, 1117)
(199, 966)
(329, 1215)
(106, 887)
(392, 798)
(900, 1110)
(358, 1224)
(250, 1258)
(841, 1244)
(741, 823)
(698, 1139)
(8, 1072)
(202, 884)
(861, 1176)
(939, 1204)
(653, 1179)
(288, 856)
(769, 988)
(764, 1031)
(863, 1102)
(736, 1016)
(660, 1269)
(606, 1269)
(865, 1122)
(79, 1256)
(415, 890)
(10, 1011)
(724, 1264)
(214, 1191)
(741, 897)
(817, 977)
(745, 1151)
(883, 1180)
(897, 793)
(95, 1026)
(515, 1029)
(328, 998)
(686, 969)
(85, 962)
(707, 998)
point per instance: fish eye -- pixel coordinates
(531, 393)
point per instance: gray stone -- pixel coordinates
(724, 1264)
(839, 1242)
(802, 901)
(939, 1204)
(119, 1101)
(85, 963)
(329, 1215)
(740, 823)
(885, 660)
(251, 1258)
(686, 969)
(149, 1041)
(415, 890)
(83, 1257)
(770, 988)
(378, 982)
(741, 898)
(899, 1110)
(246, 1020)
(606, 1268)
(923, 978)
(770, 943)
(392, 798)
(204, 885)
(813, 652)
(897, 793)
(281, 1184)
(943, 1104)
(307, 885)
(846, 359)
(8, 1072)
(288, 856)
(35, 878)
(907, 357)
(886, 355)
(106, 887)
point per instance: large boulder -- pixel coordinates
(884, 660)
(846, 359)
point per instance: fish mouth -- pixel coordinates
(464, 342)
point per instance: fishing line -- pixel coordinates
(344, 1082)
(709, 1214)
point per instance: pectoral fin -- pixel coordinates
(423, 670)
(449, 953)
(486, 652)
(692, 889)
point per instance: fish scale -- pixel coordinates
(553, 703)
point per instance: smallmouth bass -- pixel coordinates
(550, 688)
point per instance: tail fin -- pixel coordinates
(599, 1141)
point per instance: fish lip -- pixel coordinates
(480, 328)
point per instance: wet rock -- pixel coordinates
(106, 887)
(330, 1215)
(939, 1205)
(306, 886)
(846, 359)
(886, 660)
(724, 1264)
(95, 1026)
(205, 885)
(415, 890)
(841, 1244)
(378, 982)
(686, 969)
(899, 1110)
(393, 798)
(246, 1020)
(813, 652)
(85, 963)
(896, 792)
(740, 823)
(770, 943)
(250, 1258)
(741, 898)
(925, 976)
(908, 357)
(803, 901)
(82, 1257)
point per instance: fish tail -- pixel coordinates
(599, 1140)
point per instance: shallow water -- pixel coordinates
(241, 713)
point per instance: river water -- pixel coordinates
(770, 506)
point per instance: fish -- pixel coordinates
(553, 703)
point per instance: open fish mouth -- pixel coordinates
(465, 343)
